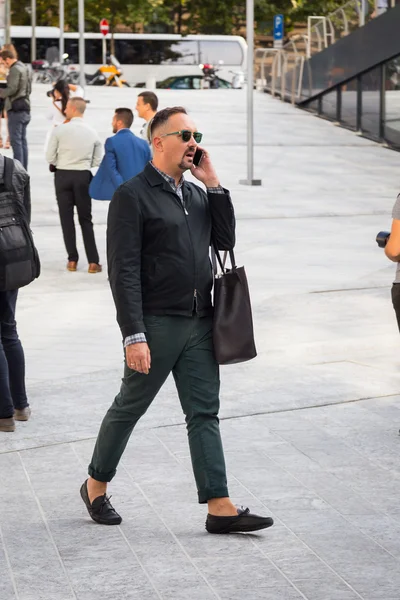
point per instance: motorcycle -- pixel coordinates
(108, 74)
(210, 79)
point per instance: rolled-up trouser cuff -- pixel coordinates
(206, 495)
(105, 477)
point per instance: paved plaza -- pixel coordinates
(310, 427)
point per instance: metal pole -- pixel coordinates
(250, 84)
(104, 47)
(61, 25)
(8, 21)
(362, 10)
(81, 17)
(33, 25)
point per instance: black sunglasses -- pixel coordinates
(186, 135)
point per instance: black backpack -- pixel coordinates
(19, 260)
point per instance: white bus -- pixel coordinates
(142, 55)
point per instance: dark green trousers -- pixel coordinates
(184, 346)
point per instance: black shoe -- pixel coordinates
(100, 509)
(244, 522)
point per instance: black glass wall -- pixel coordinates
(369, 103)
(392, 102)
(371, 84)
(348, 114)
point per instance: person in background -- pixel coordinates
(126, 155)
(52, 54)
(392, 251)
(3, 114)
(14, 404)
(74, 148)
(3, 84)
(12, 48)
(17, 103)
(146, 106)
(60, 95)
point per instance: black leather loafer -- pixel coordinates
(243, 523)
(101, 509)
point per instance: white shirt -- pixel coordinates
(74, 146)
(143, 131)
(55, 114)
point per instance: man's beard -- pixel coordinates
(182, 165)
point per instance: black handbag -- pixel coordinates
(233, 333)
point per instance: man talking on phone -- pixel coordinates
(159, 232)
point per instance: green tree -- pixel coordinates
(207, 16)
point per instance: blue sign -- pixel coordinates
(278, 28)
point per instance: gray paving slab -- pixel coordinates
(309, 427)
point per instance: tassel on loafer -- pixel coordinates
(101, 509)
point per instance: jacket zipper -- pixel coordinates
(194, 303)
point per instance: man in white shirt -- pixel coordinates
(74, 148)
(146, 106)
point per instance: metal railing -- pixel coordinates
(287, 65)
(322, 31)
(264, 58)
(274, 66)
(352, 15)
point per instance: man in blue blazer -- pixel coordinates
(126, 156)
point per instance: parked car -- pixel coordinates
(186, 82)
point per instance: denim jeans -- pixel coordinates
(12, 360)
(17, 124)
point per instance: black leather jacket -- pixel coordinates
(158, 248)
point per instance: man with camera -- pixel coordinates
(159, 232)
(17, 104)
(391, 243)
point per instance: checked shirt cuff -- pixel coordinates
(216, 190)
(134, 339)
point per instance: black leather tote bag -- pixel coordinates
(233, 333)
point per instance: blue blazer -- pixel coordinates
(126, 156)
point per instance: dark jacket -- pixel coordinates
(158, 256)
(19, 85)
(126, 156)
(21, 185)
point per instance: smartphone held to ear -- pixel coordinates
(198, 155)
